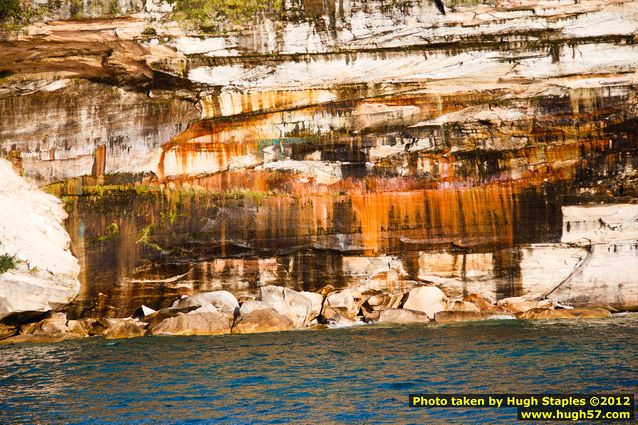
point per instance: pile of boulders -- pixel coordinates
(281, 309)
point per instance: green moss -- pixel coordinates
(210, 15)
(145, 238)
(7, 262)
(112, 232)
(102, 190)
(246, 193)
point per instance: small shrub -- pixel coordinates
(9, 9)
(7, 262)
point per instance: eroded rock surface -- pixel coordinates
(43, 273)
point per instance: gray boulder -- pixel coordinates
(402, 316)
(194, 324)
(263, 320)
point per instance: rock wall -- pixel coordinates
(45, 273)
(71, 128)
(342, 143)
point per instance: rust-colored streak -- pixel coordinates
(99, 162)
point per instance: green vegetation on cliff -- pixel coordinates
(211, 15)
(7, 263)
(9, 9)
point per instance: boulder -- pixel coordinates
(482, 303)
(427, 299)
(7, 331)
(223, 301)
(34, 338)
(401, 316)
(100, 326)
(125, 329)
(340, 321)
(377, 300)
(252, 305)
(194, 324)
(262, 320)
(56, 324)
(79, 328)
(385, 301)
(462, 316)
(342, 303)
(316, 303)
(370, 316)
(521, 304)
(464, 306)
(159, 316)
(289, 303)
(572, 313)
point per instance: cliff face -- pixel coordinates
(38, 270)
(338, 142)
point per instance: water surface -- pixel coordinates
(351, 375)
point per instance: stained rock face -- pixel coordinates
(335, 143)
(45, 273)
(91, 129)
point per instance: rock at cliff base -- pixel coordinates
(34, 338)
(427, 299)
(482, 303)
(79, 328)
(401, 316)
(223, 301)
(263, 320)
(573, 313)
(463, 316)
(194, 324)
(252, 305)
(464, 306)
(160, 315)
(7, 331)
(56, 324)
(521, 304)
(289, 303)
(101, 326)
(342, 303)
(125, 329)
(316, 302)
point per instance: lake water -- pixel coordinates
(357, 375)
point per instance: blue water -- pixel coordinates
(360, 375)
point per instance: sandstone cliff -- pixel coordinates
(341, 142)
(43, 273)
